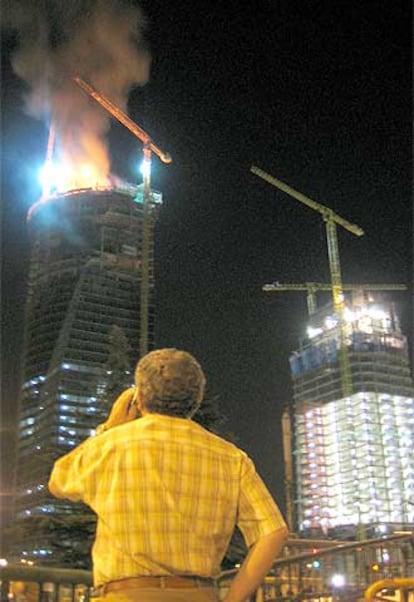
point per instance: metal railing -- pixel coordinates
(340, 572)
(333, 573)
(44, 584)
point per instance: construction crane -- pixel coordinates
(149, 148)
(331, 220)
(313, 287)
(288, 466)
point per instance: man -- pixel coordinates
(168, 493)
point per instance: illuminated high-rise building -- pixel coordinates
(353, 456)
(84, 281)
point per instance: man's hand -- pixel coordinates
(123, 410)
(256, 565)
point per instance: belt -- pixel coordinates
(163, 581)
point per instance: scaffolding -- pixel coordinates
(354, 467)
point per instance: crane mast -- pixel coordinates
(149, 148)
(288, 465)
(331, 220)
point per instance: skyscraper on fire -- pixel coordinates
(354, 461)
(84, 280)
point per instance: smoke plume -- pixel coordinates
(98, 40)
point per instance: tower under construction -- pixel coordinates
(83, 294)
(353, 455)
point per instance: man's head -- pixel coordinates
(169, 381)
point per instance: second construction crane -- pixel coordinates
(331, 220)
(149, 148)
(312, 288)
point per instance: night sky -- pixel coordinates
(316, 93)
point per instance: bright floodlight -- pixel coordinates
(376, 313)
(338, 580)
(330, 322)
(47, 178)
(52, 177)
(313, 332)
(145, 168)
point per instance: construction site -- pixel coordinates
(349, 429)
(353, 454)
(347, 433)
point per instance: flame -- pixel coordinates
(62, 178)
(101, 40)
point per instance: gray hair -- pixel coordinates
(171, 382)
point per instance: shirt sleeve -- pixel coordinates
(258, 514)
(65, 480)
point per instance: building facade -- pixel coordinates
(83, 298)
(353, 456)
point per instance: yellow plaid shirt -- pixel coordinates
(167, 494)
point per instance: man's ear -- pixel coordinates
(200, 396)
(139, 401)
